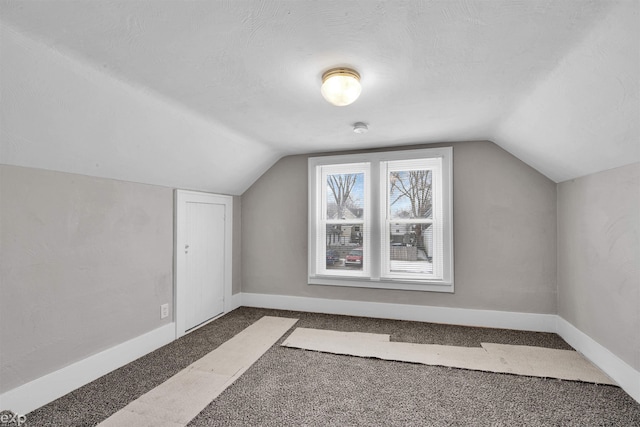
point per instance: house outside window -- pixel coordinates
(382, 220)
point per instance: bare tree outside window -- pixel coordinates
(411, 194)
(341, 186)
(413, 187)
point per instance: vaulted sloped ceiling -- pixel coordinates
(208, 94)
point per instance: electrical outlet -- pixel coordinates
(164, 311)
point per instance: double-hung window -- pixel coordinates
(382, 220)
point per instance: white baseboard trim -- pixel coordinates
(618, 370)
(236, 301)
(626, 376)
(39, 392)
(420, 313)
(43, 390)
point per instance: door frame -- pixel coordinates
(182, 197)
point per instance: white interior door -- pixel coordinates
(203, 258)
(204, 253)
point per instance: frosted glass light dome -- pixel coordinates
(341, 86)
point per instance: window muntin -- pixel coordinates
(400, 217)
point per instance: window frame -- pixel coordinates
(342, 168)
(375, 199)
(435, 166)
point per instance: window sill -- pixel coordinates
(405, 285)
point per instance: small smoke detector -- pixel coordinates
(360, 128)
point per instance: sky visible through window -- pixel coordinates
(356, 193)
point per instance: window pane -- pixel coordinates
(344, 247)
(345, 196)
(410, 194)
(411, 248)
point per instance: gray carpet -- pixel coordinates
(302, 388)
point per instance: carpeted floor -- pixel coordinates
(303, 388)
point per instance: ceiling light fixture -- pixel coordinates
(341, 86)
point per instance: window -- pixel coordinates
(343, 227)
(382, 220)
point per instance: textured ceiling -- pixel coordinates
(553, 82)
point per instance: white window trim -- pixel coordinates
(363, 168)
(432, 163)
(377, 222)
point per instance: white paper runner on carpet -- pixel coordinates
(179, 399)
(502, 358)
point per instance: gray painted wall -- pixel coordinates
(85, 264)
(504, 236)
(599, 258)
